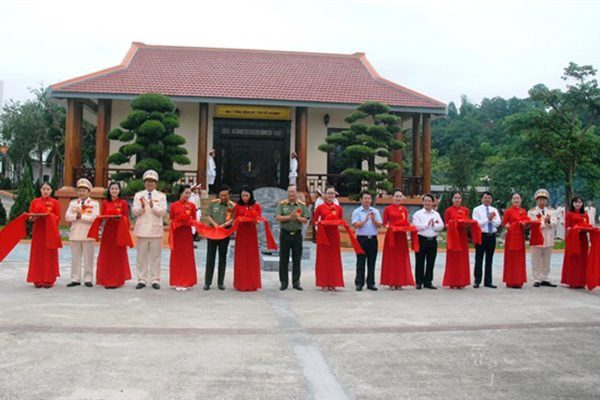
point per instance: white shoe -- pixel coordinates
(178, 288)
(183, 289)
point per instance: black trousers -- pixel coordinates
(427, 252)
(289, 242)
(211, 250)
(369, 246)
(487, 248)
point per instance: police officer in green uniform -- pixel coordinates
(220, 213)
(291, 214)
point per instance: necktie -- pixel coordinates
(82, 204)
(490, 227)
(544, 212)
(149, 196)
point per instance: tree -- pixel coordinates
(25, 194)
(149, 134)
(562, 128)
(363, 142)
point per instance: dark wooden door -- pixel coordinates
(252, 152)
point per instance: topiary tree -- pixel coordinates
(149, 134)
(365, 142)
(25, 194)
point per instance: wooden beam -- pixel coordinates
(102, 142)
(302, 145)
(426, 153)
(202, 146)
(73, 140)
(397, 158)
(416, 145)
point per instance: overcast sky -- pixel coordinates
(440, 48)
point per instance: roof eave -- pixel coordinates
(50, 92)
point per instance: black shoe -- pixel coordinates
(537, 284)
(38, 286)
(206, 286)
(298, 287)
(516, 287)
(221, 286)
(476, 286)
(359, 288)
(71, 284)
(47, 286)
(430, 286)
(283, 287)
(89, 284)
(419, 286)
(372, 288)
(156, 285)
(491, 286)
(140, 285)
(548, 284)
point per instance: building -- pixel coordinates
(253, 107)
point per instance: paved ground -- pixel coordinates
(81, 343)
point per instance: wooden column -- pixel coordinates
(426, 153)
(397, 158)
(202, 146)
(102, 142)
(302, 145)
(73, 139)
(416, 145)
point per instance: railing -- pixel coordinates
(411, 185)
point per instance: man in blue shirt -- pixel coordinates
(367, 221)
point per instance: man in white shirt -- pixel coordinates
(429, 223)
(591, 212)
(367, 221)
(150, 206)
(489, 220)
(211, 173)
(293, 168)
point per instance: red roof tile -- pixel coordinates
(246, 74)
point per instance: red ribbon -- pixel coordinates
(517, 241)
(123, 235)
(453, 238)
(404, 226)
(322, 233)
(593, 260)
(16, 230)
(221, 232)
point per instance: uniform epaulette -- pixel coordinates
(283, 202)
(215, 200)
(551, 209)
(231, 203)
(532, 210)
(301, 202)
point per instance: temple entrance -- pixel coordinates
(252, 152)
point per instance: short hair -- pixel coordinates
(225, 188)
(363, 193)
(428, 195)
(294, 185)
(182, 189)
(582, 209)
(488, 193)
(108, 195)
(248, 189)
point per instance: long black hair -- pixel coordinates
(582, 209)
(108, 195)
(248, 189)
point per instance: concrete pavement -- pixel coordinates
(92, 343)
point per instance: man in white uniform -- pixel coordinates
(293, 168)
(150, 206)
(81, 213)
(540, 255)
(591, 212)
(211, 170)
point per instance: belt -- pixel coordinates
(292, 233)
(367, 237)
(428, 238)
(488, 234)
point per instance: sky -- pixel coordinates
(443, 49)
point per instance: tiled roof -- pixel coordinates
(246, 74)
